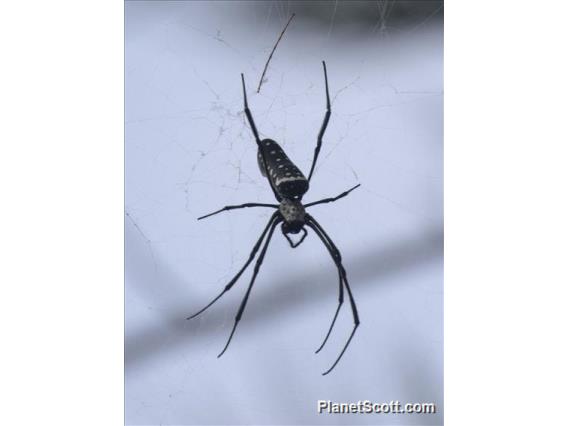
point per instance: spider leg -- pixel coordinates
(255, 273)
(271, 222)
(248, 113)
(257, 138)
(240, 206)
(323, 126)
(336, 255)
(329, 200)
(336, 313)
(336, 259)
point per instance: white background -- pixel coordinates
(505, 214)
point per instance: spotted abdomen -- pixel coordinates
(284, 175)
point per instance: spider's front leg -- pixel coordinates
(323, 126)
(332, 199)
(240, 206)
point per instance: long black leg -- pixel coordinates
(337, 260)
(251, 257)
(257, 138)
(336, 312)
(248, 113)
(323, 126)
(336, 255)
(255, 273)
(240, 206)
(329, 200)
(311, 219)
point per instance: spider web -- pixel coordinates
(189, 151)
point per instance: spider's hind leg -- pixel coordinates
(271, 222)
(255, 273)
(336, 256)
(334, 316)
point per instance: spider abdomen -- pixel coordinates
(286, 178)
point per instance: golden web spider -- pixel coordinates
(289, 186)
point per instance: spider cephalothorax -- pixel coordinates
(289, 185)
(294, 219)
(294, 215)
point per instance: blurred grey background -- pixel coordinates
(189, 151)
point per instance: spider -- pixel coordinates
(289, 186)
